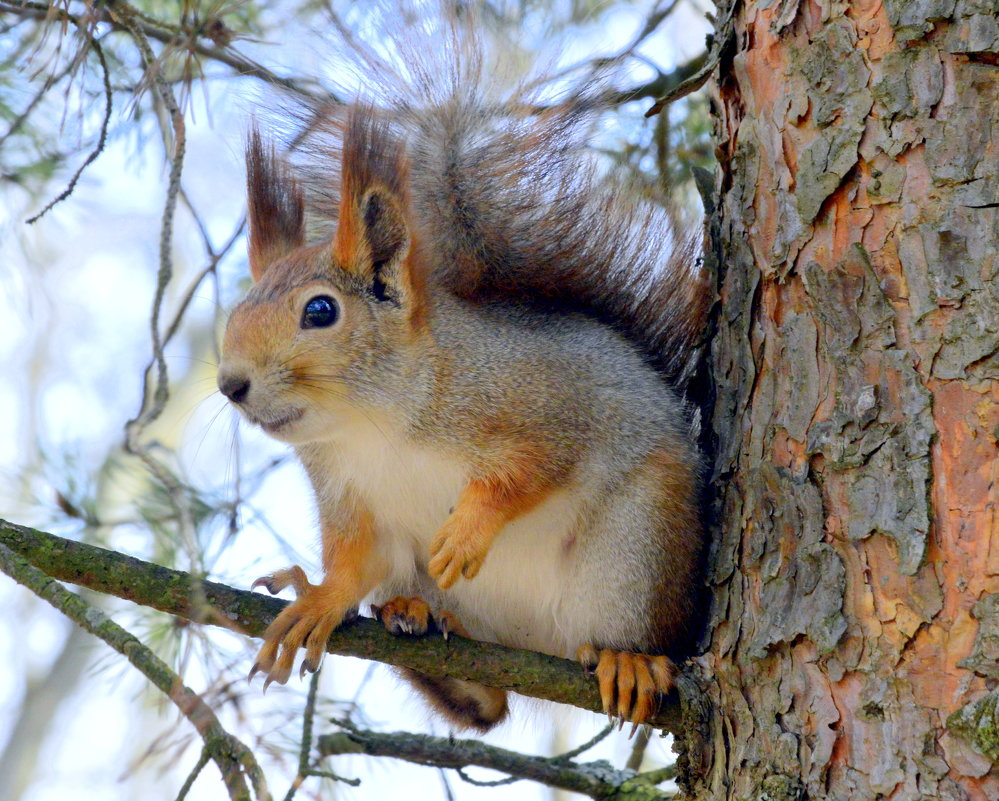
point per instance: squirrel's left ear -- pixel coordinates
(374, 240)
(385, 246)
(275, 206)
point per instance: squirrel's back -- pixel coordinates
(504, 198)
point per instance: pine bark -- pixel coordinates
(852, 648)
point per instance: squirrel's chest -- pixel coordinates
(408, 490)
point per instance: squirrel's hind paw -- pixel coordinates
(307, 621)
(404, 615)
(629, 683)
(412, 616)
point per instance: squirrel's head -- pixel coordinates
(326, 331)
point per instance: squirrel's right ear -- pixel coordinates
(275, 205)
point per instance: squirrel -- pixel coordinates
(481, 370)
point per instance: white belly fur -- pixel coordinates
(516, 598)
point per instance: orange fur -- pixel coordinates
(483, 508)
(351, 571)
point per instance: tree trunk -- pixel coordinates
(854, 631)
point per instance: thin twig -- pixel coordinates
(596, 738)
(709, 61)
(22, 118)
(598, 779)
(446, 783)
(659, 775)
(686, 87)
(308, 716)
(568, 755)
(124, 15)
(195, 772)
(101, 139)
(305, 769)
(652, 22)
(656, 18)
(226, 751)
(187, 38)
(486, 782)
(209, 270)
(638, 749)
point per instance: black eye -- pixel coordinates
(320, 312)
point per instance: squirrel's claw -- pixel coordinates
(293, 576)
(404, 615)
(306, 622)
(449, 624)
(629, 683)
(411, 616)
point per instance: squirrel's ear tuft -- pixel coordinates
(275, 205)
(373, 239)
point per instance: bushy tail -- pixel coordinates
(504, 197)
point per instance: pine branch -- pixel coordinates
(232, 757)
(187, 596)
(212, 40)
(597, 779)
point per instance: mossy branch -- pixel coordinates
(232, 757)
(178, 593)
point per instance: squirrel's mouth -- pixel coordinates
(272, 426)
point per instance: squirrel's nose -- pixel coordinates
(234, 387)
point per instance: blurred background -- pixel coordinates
(77, 290)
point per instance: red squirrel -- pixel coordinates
(481, 372)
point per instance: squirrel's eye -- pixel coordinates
(320, 312)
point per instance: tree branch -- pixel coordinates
(684, 80)
(102, 137)
(231, 756)
(191, 39)
(177, 593)
(305, 769)
(595, 779)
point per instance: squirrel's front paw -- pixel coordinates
(629, 683)
(457, 550)
(309, 620)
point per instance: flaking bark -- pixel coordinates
(856, 565)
